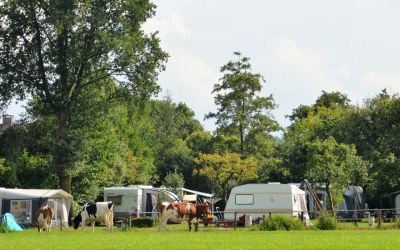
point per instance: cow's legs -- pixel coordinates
(163, 222)
(48, 225)
(190, 225)
(92, 222)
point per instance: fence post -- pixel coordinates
(269, 214)
(379, 218)
(355, 218)
(234, 224)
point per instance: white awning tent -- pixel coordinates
(11, 193)
(56, 198)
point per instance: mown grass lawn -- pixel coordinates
(211, 238)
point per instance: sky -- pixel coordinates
(300, 47)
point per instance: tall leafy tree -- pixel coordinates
(226, 171)
(54, 51)
(241, 111)
(321, 120)
(173, 123)
(374, 129)
(336, 165)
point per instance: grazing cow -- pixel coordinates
(96, 211)
(182, 211)
(44, 215)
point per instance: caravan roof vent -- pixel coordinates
(274, 183)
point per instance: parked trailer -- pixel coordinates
(137, 200)
(142, 200)
(261, 200)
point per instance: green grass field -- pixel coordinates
(177, 237)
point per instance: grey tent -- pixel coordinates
(23, 203)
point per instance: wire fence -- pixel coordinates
(372, 216)
(234, 218)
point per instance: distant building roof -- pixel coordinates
(8, 121)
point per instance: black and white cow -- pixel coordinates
(94, 212)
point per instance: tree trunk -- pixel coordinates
(364, 197)
(65, 183)
(62, 155)
(241, 139)
(330, 201)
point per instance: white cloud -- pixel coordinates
(380, 80)
(307, 67)
(298, 59)
(172, 24)
(190, 79)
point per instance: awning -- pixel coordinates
(190, 198)
(197, 192)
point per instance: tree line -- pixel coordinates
(92, 120)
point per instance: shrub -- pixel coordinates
(281, 223)
(143, 222)
(3, 228)
(326, 222)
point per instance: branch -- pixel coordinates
(42, 70)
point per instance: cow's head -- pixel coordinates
(206, 208)
(77, 220)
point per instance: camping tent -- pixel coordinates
(8, 220)
(23, 203)
(352, 201)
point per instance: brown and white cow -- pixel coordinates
(44, 216)
(182, 211)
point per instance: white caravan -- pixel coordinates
(260, 200)
(138, 200)
(142, 200)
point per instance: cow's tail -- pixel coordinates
(110, 216)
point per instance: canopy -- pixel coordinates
(10, 193)
(197, 192)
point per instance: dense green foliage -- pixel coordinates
(326, 222)
(226, 170)
(62, 54)
(275, 223)
(242, 113)
(143, 222)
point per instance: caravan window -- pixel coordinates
(117, 200)
(22, 210)
(244, 199)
